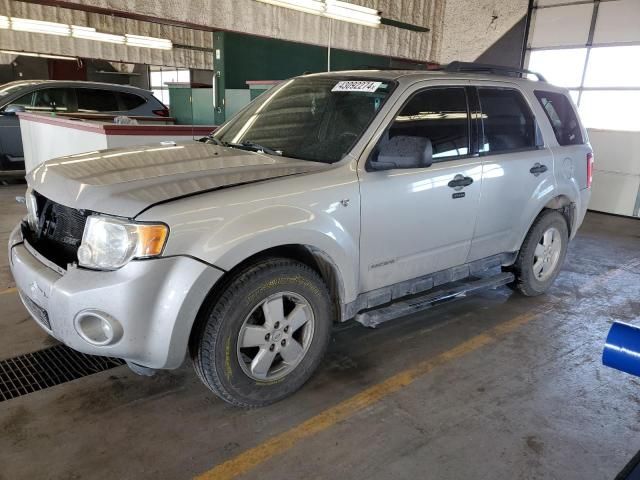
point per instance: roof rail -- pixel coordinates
(493, 69)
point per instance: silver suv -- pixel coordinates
(363, 194)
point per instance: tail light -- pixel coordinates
(162, 112)
(589, 169)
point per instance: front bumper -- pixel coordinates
(154, 302)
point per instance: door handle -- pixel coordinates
(537, 169)
(460, 181)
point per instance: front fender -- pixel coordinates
(262, 230)
(224, 228)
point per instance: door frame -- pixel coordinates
(402, 101)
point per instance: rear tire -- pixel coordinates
(542, 254)
(264, 336)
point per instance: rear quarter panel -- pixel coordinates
(569, 162)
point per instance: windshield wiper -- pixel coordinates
(256, 147)
(211, 139)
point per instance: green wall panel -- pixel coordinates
(248, 57)
(241, 57)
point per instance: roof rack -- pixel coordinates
(493, 69)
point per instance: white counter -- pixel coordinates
(45, 137)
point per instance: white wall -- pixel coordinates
(616, 178)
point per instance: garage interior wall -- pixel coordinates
(459, 29)
(592, 48)
(192, 48)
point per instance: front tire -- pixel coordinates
(542, 254)
(263, 337)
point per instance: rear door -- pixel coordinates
(517, 170)
(415, 221)
(94, 100)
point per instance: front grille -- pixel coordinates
(59, 231)
(39, 313)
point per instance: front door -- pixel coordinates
(419, 218)
(11, 155)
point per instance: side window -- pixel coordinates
(131, 101)
(432, 126)
(507, 121)
(95, 101)
(51, 99)
(562, 117)
(24, 100)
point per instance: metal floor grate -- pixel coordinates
(46, 368)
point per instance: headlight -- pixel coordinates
(32, 209)
(110, 243)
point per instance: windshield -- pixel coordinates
(310, 118)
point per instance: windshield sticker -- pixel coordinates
(356, 86)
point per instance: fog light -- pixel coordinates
(98, 328)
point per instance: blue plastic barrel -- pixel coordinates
(622, 349)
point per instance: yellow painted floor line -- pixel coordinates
(8, 290)
(279, 444)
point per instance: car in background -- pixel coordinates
(95, 100)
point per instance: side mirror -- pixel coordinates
(403, 151)
(12, 109)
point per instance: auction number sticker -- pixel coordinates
(356, 86)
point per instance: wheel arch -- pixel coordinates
(308, 255)
(561, 203)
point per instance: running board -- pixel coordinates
(401, 308)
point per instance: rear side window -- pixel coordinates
(562, 117)
(508, 123)
(438, 115)
(131, 101)
(94, 101)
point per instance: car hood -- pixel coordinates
(125, 182)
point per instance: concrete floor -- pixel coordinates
(494, 386)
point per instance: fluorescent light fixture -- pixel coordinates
(308, 6)
(39, 55)
(148, 42)
(89, 33)
(338, 10)
(349, 12)
(38, 26)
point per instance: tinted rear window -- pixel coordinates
(93, 100)
(131, 101)
(562, 117)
